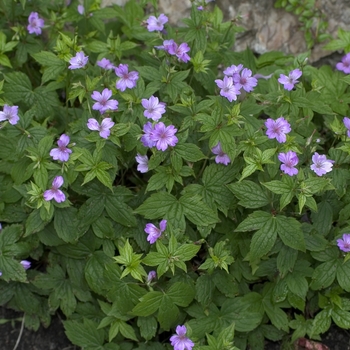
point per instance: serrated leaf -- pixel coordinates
(149, 304)
(289, 230)
(189, 152)
(181, 294)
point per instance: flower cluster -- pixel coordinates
(236, 78)
(159, 136)
(180, 51)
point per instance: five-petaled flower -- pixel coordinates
(346, 122)
(54, 192)
(233, 70)
(321, 165)
(344, 243)
(228, 88)
(153, 108)
(104, 103)
(146, 137)
(105, 64)
(179, 340)
(344, 65)
(245, 80)
(163, 136)
(35, 23)
(154, 23)
(289, 81)
(104, 128)
(221, 157)
(289, 160)
(62, 152)
(180, 51)
(10, 113)
(26, 264)
(277, 129)
(78, 61)
(153, 232)
(142, 161)
(127, 79)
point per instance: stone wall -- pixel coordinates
(267, 28)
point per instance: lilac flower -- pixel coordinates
(168, 45)
(26, 264)
(106, 124)
(245, 80)
(290, 80)
(78, 61)
(146, 138)
(233, 70)
(153, 108)
(153, 232)
(344, 65)
(35, 23)
(290, 160)
(151, 276)
(200, 8)
(164, 136)
(62, 152)
(154, 23)
(10, 113)
(105, 64)
(104, 103)
(321, 165)
(81, 9)
(221, 157)
(180, 51)
(277, 129)
(142, 167)
(179, 340)
(127, 79)
(54, 192)
(346, 122)
(344, 244)
(0, 273)
(228, 89)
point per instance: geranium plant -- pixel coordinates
(164, 191)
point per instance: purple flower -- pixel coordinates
(228, 89)
(344, 244)
(153, 232)
(26, 264)
(200, 8)
(179, 340)
(164, 136)
(154, 23)
(142, 167)
(78, 61)
(10, 113)
(277, 129)
(54, 192)
(0, 273)
(245, 80)
(290, 80)
(81, 9)
(290, 160)
(233, 70)
(346, 122)
(153, 108)
(62, 152)
(105, 64)
(106, 124)
(321, 165)
(151, 276)
(35, 23)
(344, 65)
(221, 157)
(146, 137)
(127, 79)
(180, 51)
(168, 45)
(104, 103)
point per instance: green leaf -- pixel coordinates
(147, 326)
(119, 211)
(343, 273)
(197, 211)
(181, 294)
(277, 187)
(65, 224)
(205, 289)
(323, 275)
(254, 221)
(341, 317)
(189, 152)
(168, 313)
(34, 223)
(84, 334)
(249, 193)
(149, 304)
(11, 269)
(289, 230)
(321, 323)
